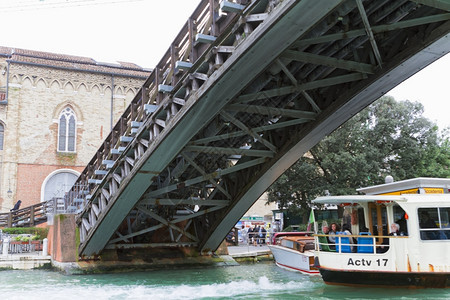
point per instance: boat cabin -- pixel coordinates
(294, 251)
(398, 234)
(299, 243)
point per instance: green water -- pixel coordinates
(250, 281)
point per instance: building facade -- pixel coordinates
(55, 111)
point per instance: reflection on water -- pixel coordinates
(252, 281)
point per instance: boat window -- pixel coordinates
(400, 219)
(434, 223)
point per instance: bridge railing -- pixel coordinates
(26, 217)
(207, 27)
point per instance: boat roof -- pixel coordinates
(410, 198)
(409, 186)
(352, 199)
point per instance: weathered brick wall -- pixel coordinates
(30, 178)
(37, 95)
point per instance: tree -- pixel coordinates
(386, 138)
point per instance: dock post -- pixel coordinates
(5, 247)
(45, 247)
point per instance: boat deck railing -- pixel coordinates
(361, 243)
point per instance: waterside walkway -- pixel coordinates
(25, 261)
(249, 251)
(33, 260)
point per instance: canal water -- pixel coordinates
(248, 281)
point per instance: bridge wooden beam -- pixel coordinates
(189, 201)
(137, 233)
(376, 29)
(272, 111)
(311, 101)
(301, 87)
(151, 245)
(199, 179)
(440, 4)
(249, 131)
(329, 61)
(229, 151)
(286, 71)
(121, 236)
(166, 222)
(220, 137)
(369, 31)
(174, 221)
(198, 168)
(256, 17)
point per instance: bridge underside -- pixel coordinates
(228, 115)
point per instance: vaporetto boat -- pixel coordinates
(400, 236)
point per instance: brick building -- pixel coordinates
(55, 111)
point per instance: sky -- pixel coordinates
(141, 31)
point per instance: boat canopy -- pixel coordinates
(352, 199)
(421, 185)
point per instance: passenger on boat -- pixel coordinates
(326, 231)
(346, 230)
(402, 223)
(395, 230)
(334, 228)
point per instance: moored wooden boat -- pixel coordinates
(294, 252)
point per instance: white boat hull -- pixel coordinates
(294, 260)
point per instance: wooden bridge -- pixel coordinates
(26, 217)
(245, 89)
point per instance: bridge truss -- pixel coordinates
(245, 89)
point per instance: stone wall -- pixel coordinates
(37, 94)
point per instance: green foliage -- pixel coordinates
(386, 138)
(39, 232)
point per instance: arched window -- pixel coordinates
(2, 135)
(58, 183)
(67, 131)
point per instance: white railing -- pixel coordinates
(364, 243)
(8, 246)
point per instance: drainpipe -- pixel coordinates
(7, 84)
(112, 100)
(7, 81)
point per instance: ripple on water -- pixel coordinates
(255, 281)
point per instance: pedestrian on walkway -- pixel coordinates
(17, 205)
